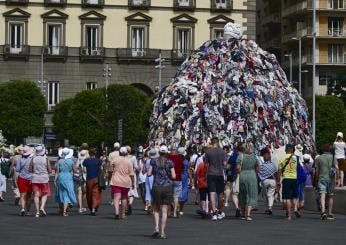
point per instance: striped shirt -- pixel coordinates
(267, 169)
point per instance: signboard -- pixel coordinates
(50, 136)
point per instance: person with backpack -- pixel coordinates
(4, 172)
(326, 173)
(163, 171)
(288, 169)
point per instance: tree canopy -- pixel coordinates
(330, 118)
(22, 110)
(337, 87)
(89, 117)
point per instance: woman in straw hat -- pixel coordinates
(40, 168)
(65, 194)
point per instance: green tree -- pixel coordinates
(60, 118)
(330, 118)
(22, 110)
(85, 118)
(337, 87)
(88, 118)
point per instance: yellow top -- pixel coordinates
(290, 171)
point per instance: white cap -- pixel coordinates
(299, 147)
(163, 149)
(340, 134)
(123, 150)
(306, 157)
(232, 30)
(181, 151)
(116, 145)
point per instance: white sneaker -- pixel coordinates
(221, 215)
(226, 204)
(214, 217)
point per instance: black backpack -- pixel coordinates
(5, 167)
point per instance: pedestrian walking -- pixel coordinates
(121, 182)
(65, 194)
(163, 171)
(41, 168)
(202, 185)
(3, 162)
(340, 151)
(268, 176)
(215, 157)
(92, 167)
(247, 165)
(178, 165)
(149, 180)
(133, 193)
(111, 157)
(184, 196)
(326, 173)
(142, 175)
(15, 160)
(24, 180)
(288, 169)
(79, 177)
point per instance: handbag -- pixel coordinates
(101, 180)
(332, 171)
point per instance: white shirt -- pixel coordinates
(340, 148)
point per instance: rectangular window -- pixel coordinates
(16, 37)
(137, 2)
(218, 33)
(183, 44)
(137, 41)
(92, 40)
(335, 26)
(53, 94)
(92, 1)
(335, 53)
(54, 39)
(336, 4)
(91, 85)
(220, 4)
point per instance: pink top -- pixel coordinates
(123, 169)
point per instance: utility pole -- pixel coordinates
(313, 70)
(107, 74)
(160, 67)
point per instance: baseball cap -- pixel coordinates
(163, 149)
(123, 150)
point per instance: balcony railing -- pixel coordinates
(293, 9)
(16, 2)
(221, 5)
(336, 32)
(16, 51)
(129, 54)
(54, 2)
(179, 55)
(88, 53)
(184, 5)
(139, 4)
(55, 52)
(93, 3)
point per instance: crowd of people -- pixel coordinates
(162, 176)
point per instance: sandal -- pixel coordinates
(155, 234)
(43, 212)
(37, 215)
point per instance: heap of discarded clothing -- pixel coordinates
(232, 89)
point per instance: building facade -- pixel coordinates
(66, 43)
(286, 22)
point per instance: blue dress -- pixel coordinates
(185, 182)
(64, 185)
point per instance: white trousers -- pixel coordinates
(269, 191)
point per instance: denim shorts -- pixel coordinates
(326, 187)
(177, 189)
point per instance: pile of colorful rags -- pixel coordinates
(232, 89)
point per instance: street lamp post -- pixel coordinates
(313, 70)
(160, 67)
(291, 73)
(107, 74)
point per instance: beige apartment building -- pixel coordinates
(68, 42)
(283, 22)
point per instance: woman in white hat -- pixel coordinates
(340, 151)
(121, 182)
(79, 177)
(24, 180)
(65, 194)
(40, 168)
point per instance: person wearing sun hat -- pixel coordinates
(65, 194)
(24, 180)
(80, 177)
(40, 168)
(340, 151)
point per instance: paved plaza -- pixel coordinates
(189, 229)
